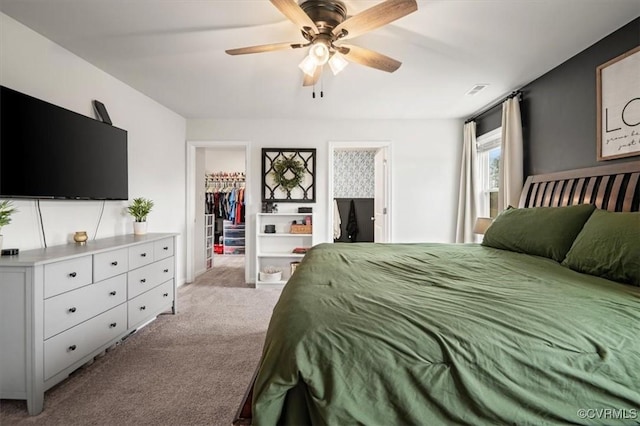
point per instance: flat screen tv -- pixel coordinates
(50, 152)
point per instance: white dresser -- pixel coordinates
(63, 305)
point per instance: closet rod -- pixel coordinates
(226, 177)
(223, 179)
(492, 106)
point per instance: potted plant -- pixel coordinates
(140, 209)
(270, 274)
(6, 210)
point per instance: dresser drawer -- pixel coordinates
(147, 277)
(66, 348)
(163, 248)
(69, 309)
(140, 255)
(110, 264)
(150, 303)
(67, 275)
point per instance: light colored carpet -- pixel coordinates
(186, 369)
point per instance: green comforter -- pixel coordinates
(430, 334)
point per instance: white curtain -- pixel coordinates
(468, 196)
(511, 174)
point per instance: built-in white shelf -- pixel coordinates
(276, 249)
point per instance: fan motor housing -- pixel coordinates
(326, 14)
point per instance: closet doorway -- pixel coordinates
(224, 208)
(359, 192)
(217, 198)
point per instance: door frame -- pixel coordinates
(191, 179)
(359, 146)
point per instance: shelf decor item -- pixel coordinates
(293, 266)
(6, 210)
(288, 175)
(140, 209)
(270, 274)
(80, 237)
(297, 228)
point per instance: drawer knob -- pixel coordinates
(143, 254)
(166, 294)
(114, 263)
(72, 310)
(165, 248)
(166, 270)
(73, 275)
(144, 280)
(142, 308)
(72, 348)
(113, 325)
(113, 293)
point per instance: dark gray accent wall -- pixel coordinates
(559, 108)
(490, 120)
(364, 212)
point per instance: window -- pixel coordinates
(488, 169)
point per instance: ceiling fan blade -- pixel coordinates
(311, 80)
(375, 17)
(263, 48)
(291, 10)
(369, 58)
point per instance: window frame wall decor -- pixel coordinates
(617, 88)
(304, 191)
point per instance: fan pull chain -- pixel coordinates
(314, 90)
(313, 93)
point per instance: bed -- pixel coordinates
(525, 328)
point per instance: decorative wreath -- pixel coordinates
(282, 167)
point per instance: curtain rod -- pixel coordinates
(493, 105)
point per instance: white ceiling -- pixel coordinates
(173, 51)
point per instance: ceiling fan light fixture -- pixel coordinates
(325, 22)
(308, 65)
(319, 51)
(337, 63)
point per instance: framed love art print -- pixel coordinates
(618, 102)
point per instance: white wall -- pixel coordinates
(224, 160)
(38, 67)
(425, 163)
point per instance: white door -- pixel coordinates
(381, 202)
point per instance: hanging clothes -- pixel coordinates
(337, 221)
(239, 216)
(224, 197)
(352, 223)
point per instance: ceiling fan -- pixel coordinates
(324, 25)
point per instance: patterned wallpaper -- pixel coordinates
(354, 174)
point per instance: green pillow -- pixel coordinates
(608, 246)
(540, 231)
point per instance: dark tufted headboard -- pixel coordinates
(613, 187)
